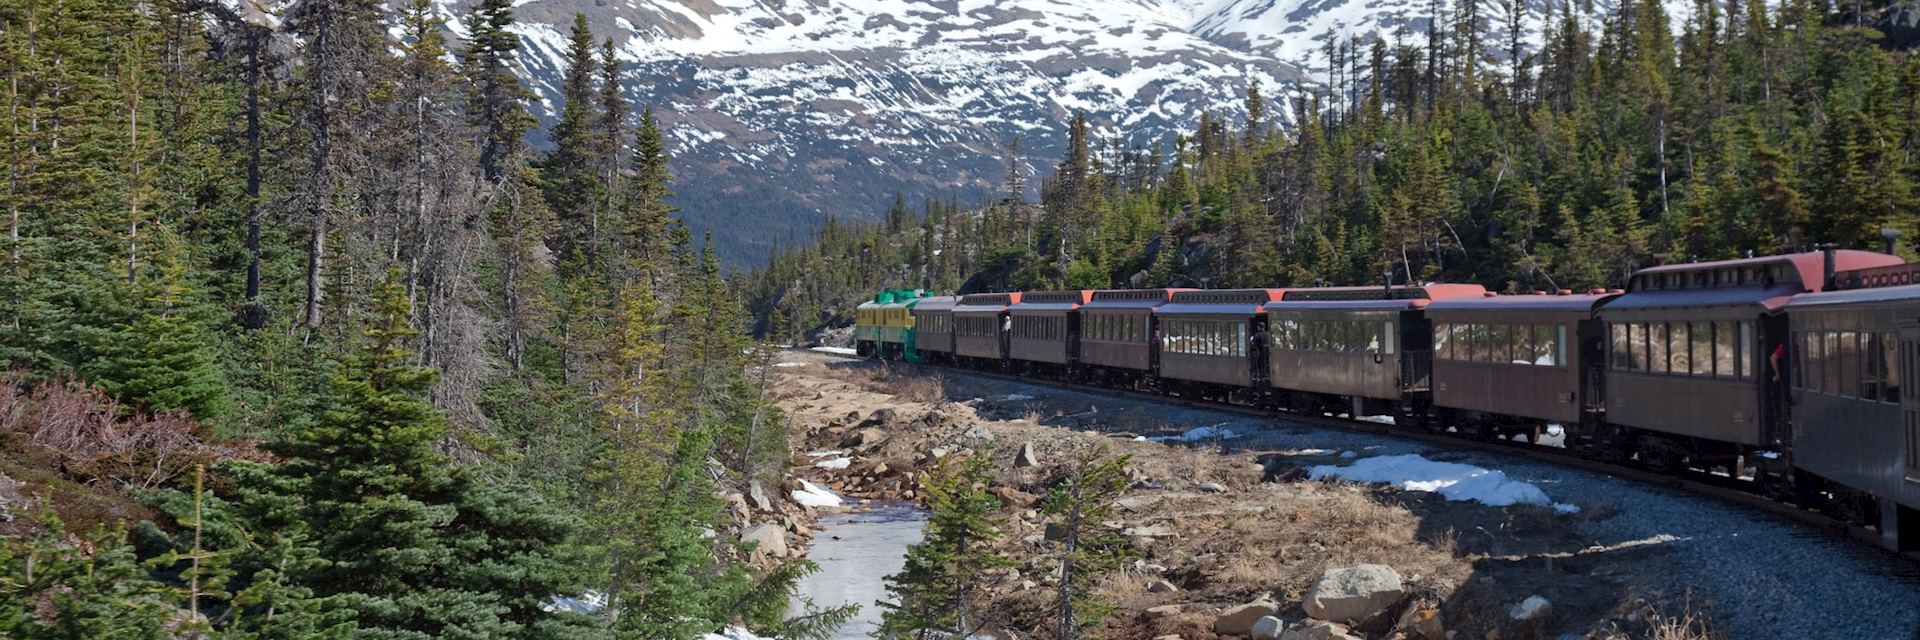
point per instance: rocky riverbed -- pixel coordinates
(1233, 540)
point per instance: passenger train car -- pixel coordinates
(1784, 371)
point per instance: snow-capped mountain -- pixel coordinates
(782, 111)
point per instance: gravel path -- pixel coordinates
(1759, 576)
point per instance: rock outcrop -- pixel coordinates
(1353, 594)
(1239, 620)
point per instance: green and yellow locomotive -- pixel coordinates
(883, 328)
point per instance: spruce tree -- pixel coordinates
(571, 169)
(937, 591)
(1080, 504)
(417, 547)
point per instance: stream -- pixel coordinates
(856, 552)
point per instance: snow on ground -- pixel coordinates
(813, 495)
(732, 633)
(1455, 481)
(1200, 434)
(1554, 436)
(823, 454)
(1377, 419)
(784, 365)
(840, 350)
(834, 463)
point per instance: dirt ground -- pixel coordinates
(1215, 526)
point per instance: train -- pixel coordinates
(1782, 374)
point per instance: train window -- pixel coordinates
(1830, 363)
(1811, 357)
(1622, 346)
(1850, 364)
(1746, 349)
(1701, 352)
(1442, 341)
(1545, 346)
(1386, 337)
(1651, 352)
(1560, 346)
(1674, 353)
(1723, 349)
(1890, 361)
(1522, 344)
(1873, 368)
(1499, 343)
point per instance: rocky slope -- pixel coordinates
(782, 111)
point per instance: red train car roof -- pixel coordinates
(1808, 269)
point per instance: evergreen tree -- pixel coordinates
(936, 592)
(1080, 505)
(571, 169)
(418, 547)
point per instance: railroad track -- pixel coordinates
(1711, 486)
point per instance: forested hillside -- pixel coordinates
(302, 340)
(1759, 128)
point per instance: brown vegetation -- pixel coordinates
(91, 437)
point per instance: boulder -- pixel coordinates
(1026, 457)
(769, 539)
(863, 437)
(1318, 630)
(1165, 611)
(1354, 593)
(1011, 497)
(1239, 620)
(976, 435)
(1161, 586)
(1900, 24)
(1421, 623)
(1532, 608)
(1151, 531)
(757, 496)
(1268, 628)
(1211, 487)
(736, 503)
(879, 418)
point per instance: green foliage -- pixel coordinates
(53, 590)
(1080, 505)
(1613, 147)
(418, 547)
(935, 592)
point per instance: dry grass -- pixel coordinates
(1652, 621)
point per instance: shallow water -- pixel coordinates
(872, 545)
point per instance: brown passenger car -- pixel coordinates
(1117, 328)
(1044, 323)
(980, 325)
(1688, 345)
(1856, 420)
(1529, 356)
(933, 326)
(1365, 346)
(1204, 335)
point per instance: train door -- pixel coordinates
(1258, 345)
(1775, 410)
(1909, 368)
